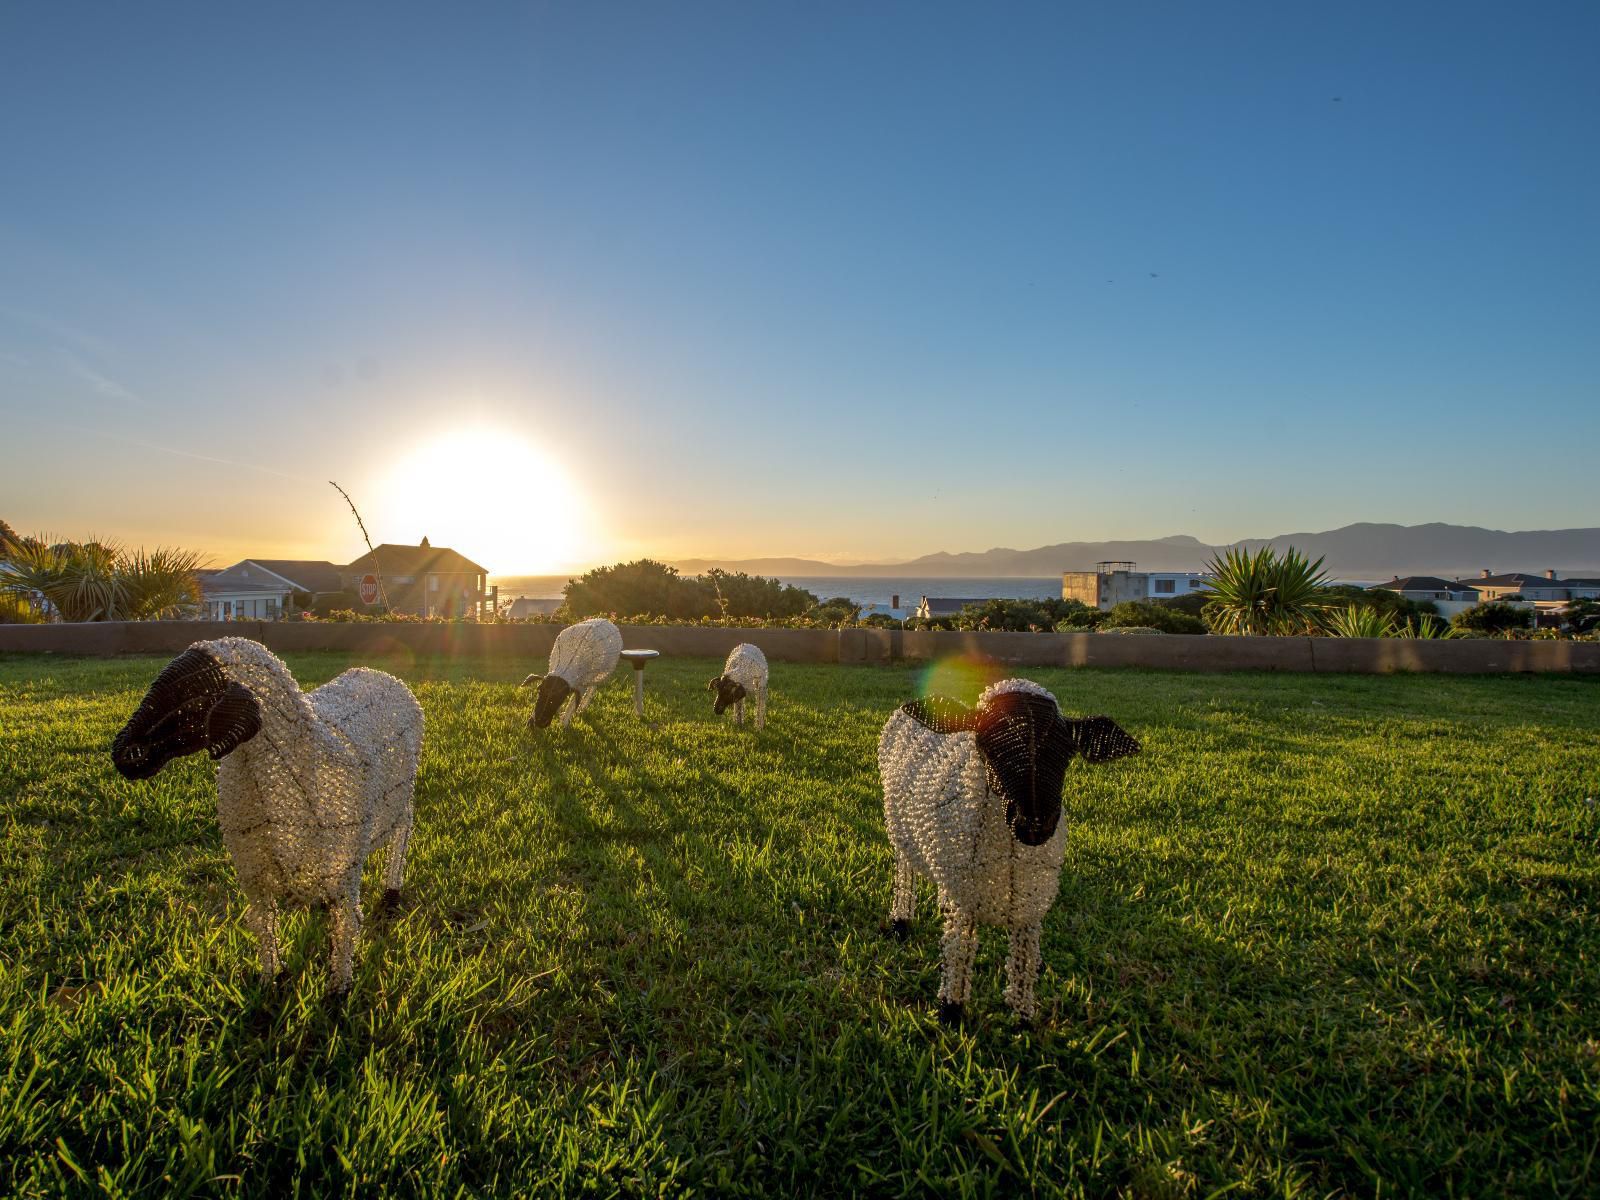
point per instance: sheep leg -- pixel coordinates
(761, 709)
(394, 870)
(904, 905)
(958, 947)
(585, 696)
(344, 912)
(261, 918)
(1022, 972)
(738, 712)
(570, 711)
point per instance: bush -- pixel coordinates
(329, 603)
(1141, 614)
(836, 610)
(1262, 592)
(1492, 619)
(1192, 603)
(649, 588)
(880, 621)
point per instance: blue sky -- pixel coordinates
(841, 281)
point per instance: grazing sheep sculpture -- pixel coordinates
(309, 784)
(583, 657)
(744, 674)
(972, 801)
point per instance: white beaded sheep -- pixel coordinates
(744, 674)
(583, 657)
(972, 801)
(309, 784)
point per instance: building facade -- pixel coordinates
(424, 580)
(266, 589)
(1114, 583)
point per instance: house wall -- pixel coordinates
(1105, 592)
(258, 604)
(436, 594)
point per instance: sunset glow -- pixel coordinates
(488, 493)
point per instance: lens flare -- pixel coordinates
(960, 678)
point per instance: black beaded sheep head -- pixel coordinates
(553, 692)
(727, 692)
(191, 706)
(1027, 746)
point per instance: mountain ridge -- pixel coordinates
(1364, 549)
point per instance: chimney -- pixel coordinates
(1485, 573)
(894, 600)
(1550, 573)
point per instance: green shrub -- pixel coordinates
(1492, 618)
(1193, 603)
(1263, 592)
(650, 588)
(1142, 614)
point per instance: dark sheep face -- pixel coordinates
(189, 708)
(553, 692)
(1027, 747)
(728, 692)
(1102, 740)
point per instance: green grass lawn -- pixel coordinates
(1326, 936)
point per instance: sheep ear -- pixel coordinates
(941, 714)
(233, 720)
(712, 686)
(1102, 740)
(530, 679)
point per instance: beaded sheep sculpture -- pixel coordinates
(972, 801)
(583, 657)
(744, 674)
(309, 784)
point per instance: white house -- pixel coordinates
(265, 589)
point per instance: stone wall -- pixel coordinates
(856, 646)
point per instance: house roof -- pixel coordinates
(1422, 583)
(1516, 579)
(311, 575)
(255, 574)
(394, 559)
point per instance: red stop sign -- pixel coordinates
(369, 589)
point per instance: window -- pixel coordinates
(433, 583)
(1166, 586)
(1194, 585)
(272, 609)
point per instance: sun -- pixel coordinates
(489, 494)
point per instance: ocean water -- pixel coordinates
(861, 591)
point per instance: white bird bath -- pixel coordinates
(638, 660)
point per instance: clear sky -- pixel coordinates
(563, 284)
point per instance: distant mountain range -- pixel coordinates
(1362, 551)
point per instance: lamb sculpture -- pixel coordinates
(583, 657)
(309, 784)
(972, 801)
(744, 674)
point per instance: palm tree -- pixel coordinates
(1264, 593)
(94, 581)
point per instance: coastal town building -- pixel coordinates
(265, 589)
(1428, 587)
(421, 580)
(1114, 583)
(424, 580)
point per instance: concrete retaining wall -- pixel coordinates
(869, 646)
